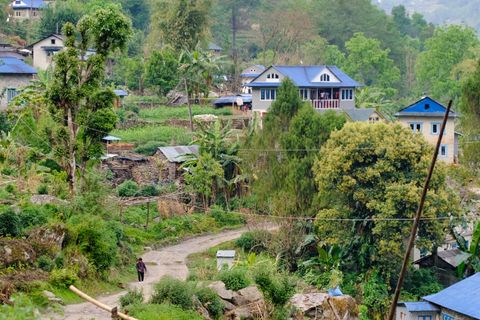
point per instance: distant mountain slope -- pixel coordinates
(440, 11)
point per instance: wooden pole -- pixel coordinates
(148, 215)
(418, 215)
(113, 311)
(189, 106)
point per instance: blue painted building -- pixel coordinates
(460, 301)
(425, 117)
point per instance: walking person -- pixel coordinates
(141, 269)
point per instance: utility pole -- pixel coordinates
(234, 44)
(418, 215)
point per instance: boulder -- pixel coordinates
(48, 239)
(247, 295)
(51, 297)
(221, 290)
(13, 251)
(228, 306)
(41, 199)
(317, 305)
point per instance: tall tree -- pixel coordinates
(161, 71)
(371, 173)
(75, 93)
(448, 47)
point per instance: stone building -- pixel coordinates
(14, 75)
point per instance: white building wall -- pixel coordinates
(41, 59)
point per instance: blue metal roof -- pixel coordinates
(120, 93)
(28, 4)
(303, 76)
(463, 297)
(15, 66)
(214, 46)
(426, 107)
(249, 75)
(420, 306)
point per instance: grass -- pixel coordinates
(161, 114)
(162, 312)
(161, 134)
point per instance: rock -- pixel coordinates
(228, 306)
(41, 199)
(201, 309)
(247, 295)
(14, 251)
(51, 297)
(317, 305)
(48, 239)
(221, 290)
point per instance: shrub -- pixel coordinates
(421, 282)
(211, 301)
(375, 295)
(10, 224)
(7, 171)
(22, 308)
(277, 287)
(162, 312)
(33, 216)
(62, 278)
(148, 191)
(128, 188)
(173, 291)
(226, 218)
(10, 188)
(42, 189)
(45, 263)
(254, 241)
(131, 297)
(235, 278)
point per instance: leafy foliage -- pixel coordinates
(164, 311)
(131, 297)
(173, 291)
(235, 278)
(212, 302)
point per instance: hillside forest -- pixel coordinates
(334, 199)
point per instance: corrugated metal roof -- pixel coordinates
(453, 257)
(359, 114)
(15, 66)
(179, 154)
(214, 46)
(463, 297)
(28, 4)
(303, 76)
(425, 107)
(120, 93)
(420, 306)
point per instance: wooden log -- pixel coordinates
(101, 305)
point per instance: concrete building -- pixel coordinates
(248, 75)
(28, 9)
(425, 117)
(44, 50)
(14, 75)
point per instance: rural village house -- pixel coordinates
(44, 50)
(425, 117)
(460, 301)
(28, 9)
(248, 75)
(14, 75)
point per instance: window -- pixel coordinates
(347, 94)
(11, 93)
(267, 94)
(443, 150)
(303, 94)
(435, 128)
(325, 77)
(17, 14)
(416, 126)
(373, 119)
(52, 41)
(424, 317)
(447, 317)
(272, 76)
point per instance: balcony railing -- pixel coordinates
(326, 104)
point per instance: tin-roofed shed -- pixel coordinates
(173, 157)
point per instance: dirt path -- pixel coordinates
(169, 260)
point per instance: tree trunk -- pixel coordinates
(189, 106)
(72, 163)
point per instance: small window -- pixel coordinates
(435, 128)
(272, 76)
(443, 150)
(52, 41)
(447, 317)
(416, 126)
(424, 317)
(324, 77)
(427, 106)
(267, 94)
(17, 14)
(347, 94)
(303, 94)
(11, 93)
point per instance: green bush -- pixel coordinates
(148, 191)
(254, 241)
(235, 278)
(42, 189)
(131, 297)
(277, 287)
(128, 188)
(62, 278)
(7, 171)
(150, 147)
(10, 188)
(162, 312)
(173, 291)
(22, 309)
(31, 216)
(10, 224)
(45, 263)
(97, 241)
(421, 282)
(211, 301)
(226, 218)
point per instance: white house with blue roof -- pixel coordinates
(325, 87)
(28, 9)
(460, 301)
(14, 75)
(248, 75)
(425, 117)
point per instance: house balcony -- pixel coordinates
(326, 104)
